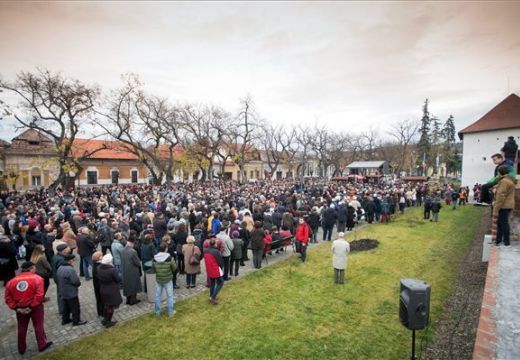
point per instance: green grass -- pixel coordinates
(295, 311)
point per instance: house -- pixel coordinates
(29, 161)
(485, 137)
(112, 163)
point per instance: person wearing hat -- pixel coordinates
(68, 282)
(25, 294)
(109, 280)
(56, 261)
(340, 249)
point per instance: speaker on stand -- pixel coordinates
(414, 306)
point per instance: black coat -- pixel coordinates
(7, 251)
(329, 217)
(87, 246)
(109, 280)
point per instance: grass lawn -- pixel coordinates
(295, 311)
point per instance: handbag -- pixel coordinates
(193, 260)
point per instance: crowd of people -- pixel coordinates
(119, 232)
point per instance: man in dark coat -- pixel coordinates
(257, 245)
(342, 217)
(68, 281)
(8, 263)
(510, 149)
(86, 248)
(131, 270)
(329, 219)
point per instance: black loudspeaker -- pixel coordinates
(414, 304)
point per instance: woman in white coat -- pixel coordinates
(340, 249)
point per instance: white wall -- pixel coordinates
(476, 147)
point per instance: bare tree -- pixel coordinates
(58, 107)
(337, 152)
(138, 121)
(304, 140)
(320, 143)
(247, 131)
(404, 132)
(370, 141)
(276, 143)
(205, 127)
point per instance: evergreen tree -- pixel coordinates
(448, 131)
(424, 144)
(451, 158)
(436, 133)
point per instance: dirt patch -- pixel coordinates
(456, 328)
(363, 244)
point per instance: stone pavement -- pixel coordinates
(62, 335)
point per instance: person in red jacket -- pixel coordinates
(24, 294)
(302, 238)
(214, 264)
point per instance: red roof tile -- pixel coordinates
(111, 150)
(506, 115)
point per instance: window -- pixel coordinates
(134, 176)
(34, 142)
(257, 174)
(91, 177)
(251, 174)
(115, 177)
(36, 180)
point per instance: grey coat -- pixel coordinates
(131, 270)
(68, 281)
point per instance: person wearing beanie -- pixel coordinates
(340, 249)
(24, 294)
(109, 281)
(68, 281)
(236, 253)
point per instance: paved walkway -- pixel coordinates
(62, 335)
(498, 334)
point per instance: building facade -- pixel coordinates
(486, 137)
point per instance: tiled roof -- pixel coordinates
(110, 150)
(164, 150)
(506, 115)
(31, 135)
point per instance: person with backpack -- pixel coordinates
(164, 266)
(104, 236)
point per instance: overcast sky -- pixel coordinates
(349, 65)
